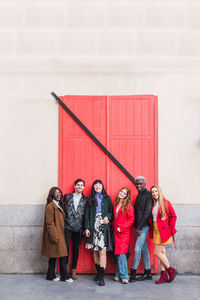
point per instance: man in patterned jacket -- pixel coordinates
(74, 205)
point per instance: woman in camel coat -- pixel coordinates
(53, 240)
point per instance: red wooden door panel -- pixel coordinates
(127, 127)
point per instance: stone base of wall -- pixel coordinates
(21, 234)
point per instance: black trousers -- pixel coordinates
(64, 274)
(76, 239)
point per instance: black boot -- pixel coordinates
(101, 276)
(146, 276)
(96, 278)
(133, 275)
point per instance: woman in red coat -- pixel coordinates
(122, 221)
(164, 220)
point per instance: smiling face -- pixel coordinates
(79, 187)
(98, 187)
(122, 194)
(140, 184)
(57, 195)
(155, 193)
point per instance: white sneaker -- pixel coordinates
(56, 279)
(125, 281)
(69, 280)
(116, 278)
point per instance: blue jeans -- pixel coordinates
(122, 269)
(141, 245)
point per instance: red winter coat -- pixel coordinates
(124, 221)
(166, 227)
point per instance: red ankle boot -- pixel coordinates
(172, 273)
(163, 277)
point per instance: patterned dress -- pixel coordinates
(98, 239)
(98, 235)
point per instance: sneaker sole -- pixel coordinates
(56, 280)
(133, 280)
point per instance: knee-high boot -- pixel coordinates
(96, 278)
(101, 276)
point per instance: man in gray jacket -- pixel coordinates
(74, 205)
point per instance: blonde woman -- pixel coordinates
(164, 220)
(122, 222)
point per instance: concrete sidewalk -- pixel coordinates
(29, 287)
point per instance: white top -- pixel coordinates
(118, 207)
(155, 212)
(57, 203)
(76, 199)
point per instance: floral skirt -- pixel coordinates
(98, 237)
(98, 234)
(156, 236)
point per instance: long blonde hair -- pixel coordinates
(126, 201)
(161, 200)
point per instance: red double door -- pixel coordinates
(127, 127)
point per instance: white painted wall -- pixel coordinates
(97, 47)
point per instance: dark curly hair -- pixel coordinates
(51, 194)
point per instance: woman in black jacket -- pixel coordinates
(98, 219)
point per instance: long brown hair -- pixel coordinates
(161, 200)
(126, 201)
(51, 194)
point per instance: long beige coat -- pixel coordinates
(53, 240)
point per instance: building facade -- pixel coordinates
(95, 47)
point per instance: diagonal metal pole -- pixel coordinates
(91, 135)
